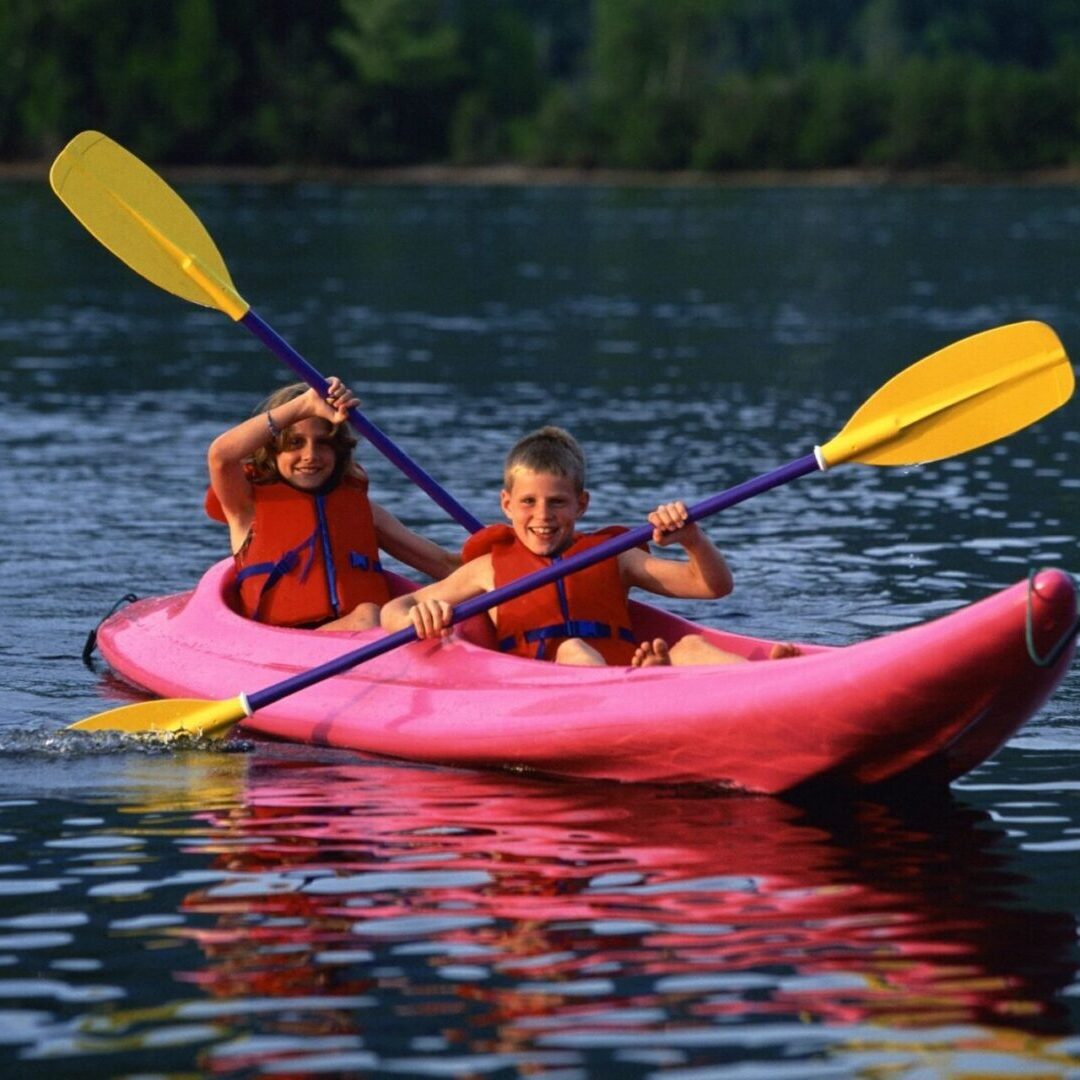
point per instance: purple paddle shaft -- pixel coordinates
(390, 450)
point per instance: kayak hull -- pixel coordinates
(947, 693)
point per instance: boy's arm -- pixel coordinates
(430, 610)
(705, 574)
(412, 549)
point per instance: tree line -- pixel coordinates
(983, 85)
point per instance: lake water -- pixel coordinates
(261, 910)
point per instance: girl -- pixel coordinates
(305, 536)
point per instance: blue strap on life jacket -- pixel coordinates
(360, 561)
(568, 628)
(275, 571)
(572, 628)
(322, 530)
(357, 560)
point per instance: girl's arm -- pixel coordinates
(429, 610)
(704, 576)
(230, 451)
(413, 550)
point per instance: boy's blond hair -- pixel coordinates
(547, 450)
(264, 460)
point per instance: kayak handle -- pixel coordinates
(1059, 647)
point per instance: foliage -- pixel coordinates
(986, 85)
(153, 70)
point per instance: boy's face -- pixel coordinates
(542, 509)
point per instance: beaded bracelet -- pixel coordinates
(275, 431)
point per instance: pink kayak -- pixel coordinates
(944, 695)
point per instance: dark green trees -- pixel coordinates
(984, 85)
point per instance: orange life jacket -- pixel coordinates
(310, 557)
(590, 604)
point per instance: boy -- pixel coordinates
(583, 618)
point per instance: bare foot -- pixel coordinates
(652, 654)
(782, 650)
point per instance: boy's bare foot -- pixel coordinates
(784, 649)
(652, 654)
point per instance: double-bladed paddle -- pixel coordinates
(144, 223)
(966, 395)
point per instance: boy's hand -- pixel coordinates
(431, 618)
(671, 524)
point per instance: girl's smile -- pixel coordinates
(306, 459)
(543, 509)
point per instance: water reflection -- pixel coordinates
(406, 914)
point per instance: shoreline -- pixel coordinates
(514, 175)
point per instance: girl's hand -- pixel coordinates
(431, 618)
(335, 406)
(671, 524)
(340, 399)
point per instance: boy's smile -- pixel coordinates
(307, 459)
(543, 509)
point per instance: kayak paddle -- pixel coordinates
(124, 204)
(971, 393)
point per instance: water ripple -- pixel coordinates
(252, 909)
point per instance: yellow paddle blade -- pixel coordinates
(142, 221)
(209, 719)
(971, 393)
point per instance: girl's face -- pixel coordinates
(306, 459)
(543, 509)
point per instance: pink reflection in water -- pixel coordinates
(501, 915)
